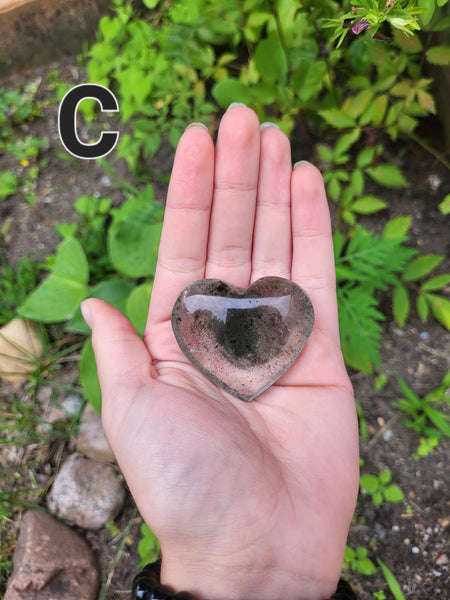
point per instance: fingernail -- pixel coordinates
(268, 124)
(233, 104)
(198, 125)
(86, 312)
(302, 162)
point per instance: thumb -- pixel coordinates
(123, 361)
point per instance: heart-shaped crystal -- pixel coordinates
(242, 340)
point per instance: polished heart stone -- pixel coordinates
(242, 340)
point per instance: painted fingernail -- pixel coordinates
(233, 104)
(197, 125)
(268, 124)
(302, 162)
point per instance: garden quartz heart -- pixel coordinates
(242, 340)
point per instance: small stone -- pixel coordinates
(415, 550)
(20, 348)
(387, 435)
(242, 340)
(51, 562)
(61, 412)
(91, 440)
(86, 493)
(442, 560)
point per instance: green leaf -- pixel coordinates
(148, 547)
(346, 141)
(368, 205)
(137, 306)
(366, 566)
(391, 581)
(444, 206)
(422, 308)
(400, 304)
(357, 182)
(89, 377)
(365, 157)
(375, 112)
(133, 237)
(421, 266)
(407, 391)
(231, 90)
(58, 296)
(440, 308)
(337, 118)
(377, 498)
(387, 175)
(438, 55)
(114, 291)
(393, 493)
(436, 283)
(428, 7)
(9, 182)
(385, 476)
(324, 152)
(151, 3)
(355, 106)
(397, 227)
(270, 60)
(369, 483)
(439, 419)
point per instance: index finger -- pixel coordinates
(184, 237)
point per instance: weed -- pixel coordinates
(425, 415)
(148, 548)
(380, 488)
(15, 284)
(356, 560)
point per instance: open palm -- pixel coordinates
(248, 500)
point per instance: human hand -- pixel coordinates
(248, 500)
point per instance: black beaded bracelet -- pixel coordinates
(146, 586)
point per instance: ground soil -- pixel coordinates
(410, 536)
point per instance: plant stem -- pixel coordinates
(429, 149)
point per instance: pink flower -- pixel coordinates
(360, 26)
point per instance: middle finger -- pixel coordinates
(235, 186)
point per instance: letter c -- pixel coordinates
(67, 115)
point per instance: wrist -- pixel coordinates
(147, 585)
(237, 582)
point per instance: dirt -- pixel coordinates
(410, 536)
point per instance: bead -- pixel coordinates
(144, 581)
(160, 592)
(344, 591)
(183, 596)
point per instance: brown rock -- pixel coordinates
(91, 440)
(86, 493)
(51, 562)
(20, 347)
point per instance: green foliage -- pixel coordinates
(94, 216)
(164, 63)
(59, 295)
(15, 284)
(148, 548)
(380, 488)
(365, 264)
(425, 415)
(17, 108)
(391, 581)
(356, 560)
(9, 182)
(427, 446)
